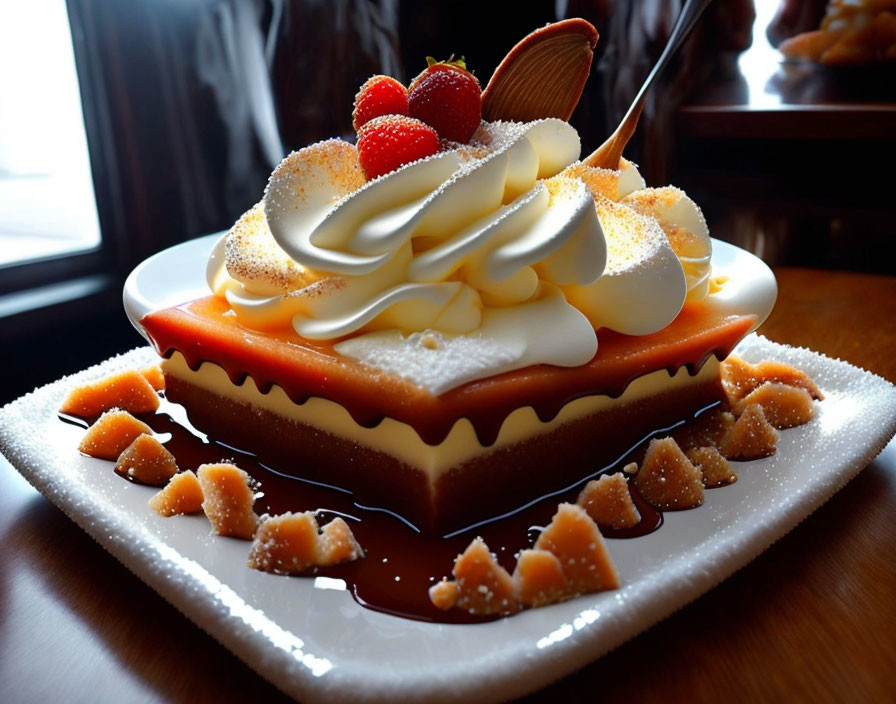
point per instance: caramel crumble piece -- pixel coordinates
(154, 376)
(739, 377)
(667, 478)
(181, 495)
(292, 543)
(539, 578)
(781, 373)
(483, 586)
(784, 406)
(147, 461)
(286, 544)
(577, 543)
(128, 390)
(337, 544)
(715, 469)
(707, 429)
(752, 436)
(228, 500)
(569, 558)
(609, 503)
(444, 594)
(111, 434)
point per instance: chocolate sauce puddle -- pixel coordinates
(400, 562)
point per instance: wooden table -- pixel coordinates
(812, 619)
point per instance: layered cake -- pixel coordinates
(460, 335)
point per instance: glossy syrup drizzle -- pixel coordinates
(400, 562)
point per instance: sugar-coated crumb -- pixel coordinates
(292, 543)
(608, 501)
(181, 495)
(739, 377)
(781, 373)
(228, 500)
(667, 478)
(575, 540)
(147, 461)
(569, 558)
(484, 587)
(715, 469)
(784, 406)
(111, 434)
(539, 578)
(286, 544)
(707, 429)
(337, 544)
(444, 594)
(128, 390)
(154, 376)
(752, 436)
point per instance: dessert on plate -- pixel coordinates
(450, 338)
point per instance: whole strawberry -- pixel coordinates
(387, 142)
(448, 97)
(380, 95)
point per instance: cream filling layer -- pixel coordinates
(400, 440)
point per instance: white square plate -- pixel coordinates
(317, 644)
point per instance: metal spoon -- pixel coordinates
(607, 154)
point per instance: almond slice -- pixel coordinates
(543, 75)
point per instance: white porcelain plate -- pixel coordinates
(318, 645)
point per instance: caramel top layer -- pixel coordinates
(205, 330)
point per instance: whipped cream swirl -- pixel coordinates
(469, 263)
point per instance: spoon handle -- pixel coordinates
(687, 18)
(607, 155)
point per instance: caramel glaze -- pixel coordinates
(206, 330)
(400, 563)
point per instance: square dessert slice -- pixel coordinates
(441, 461)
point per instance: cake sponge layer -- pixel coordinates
(457, 481)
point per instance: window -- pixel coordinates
(47, 202)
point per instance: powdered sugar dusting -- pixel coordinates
(433, 361)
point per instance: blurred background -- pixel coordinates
(128, 127)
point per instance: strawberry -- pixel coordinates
(448, 97)
(380, 95)
(387, 142)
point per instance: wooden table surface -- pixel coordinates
(812, 619)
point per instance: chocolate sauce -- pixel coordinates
(400, 562)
